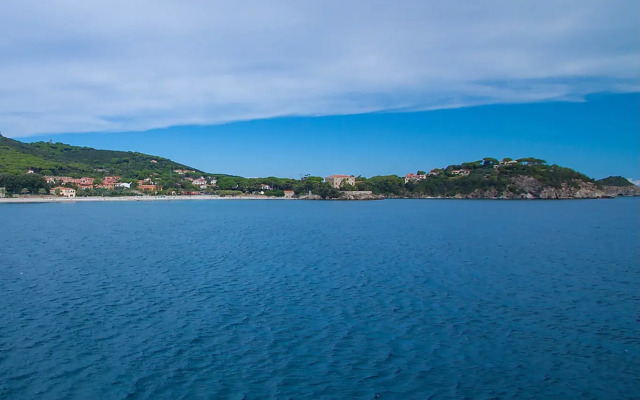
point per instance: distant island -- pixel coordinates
(56, 169)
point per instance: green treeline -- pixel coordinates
(24, 183)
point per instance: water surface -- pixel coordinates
(394, 299)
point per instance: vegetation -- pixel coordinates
(60, 159)
(614, 181)
(23, 184)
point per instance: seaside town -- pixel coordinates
(65, 186)
(187, 183)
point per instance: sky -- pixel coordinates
(289, 87)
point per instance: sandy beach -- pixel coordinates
(54, 199)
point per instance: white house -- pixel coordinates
(200, 182)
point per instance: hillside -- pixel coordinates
(525, 178)
(64, 160)
(614, 181)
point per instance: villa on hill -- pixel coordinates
(411, 177)
(336, 180)
(460, 172)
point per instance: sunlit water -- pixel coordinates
(404, 299)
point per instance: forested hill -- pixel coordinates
(64, 160)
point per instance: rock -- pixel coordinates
(613, 191)
(310, 197)
(359, 195)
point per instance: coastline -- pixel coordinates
(53, 199)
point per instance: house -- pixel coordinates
(264, 186)
(213, 182)
(337, 180)
(504, 163)
(434, 172)
(51, 179)
(148, 188)
(110, 180)
(461, 172)
(64, 191)
(31, 171)
(86, 181)
(64, 179)
(123, 185)
(288, 194)
(410, 177)
(200, 182)
(153, 161)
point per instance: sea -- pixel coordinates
(277, 299)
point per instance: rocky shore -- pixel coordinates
(525, 187)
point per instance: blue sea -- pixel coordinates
(393, 299)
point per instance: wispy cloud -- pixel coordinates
(74, 66)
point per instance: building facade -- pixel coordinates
(336, 180)
(63, 191)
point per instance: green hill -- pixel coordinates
(614, 181)
(64, 160)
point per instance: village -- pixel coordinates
(66, 186)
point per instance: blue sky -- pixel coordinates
(287, 87)
(599, 137)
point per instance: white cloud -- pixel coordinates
(74, 66)
(634, 181)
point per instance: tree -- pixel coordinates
(472, 165)
(327, 191)
(42, 191)
(345, 186)
(531, 161)
(489, 162)
(226, 183)
(24, 191)
(421, 173)
(387, 184)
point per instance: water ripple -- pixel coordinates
(323, 300)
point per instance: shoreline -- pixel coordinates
(95, 199)
(53, 199)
